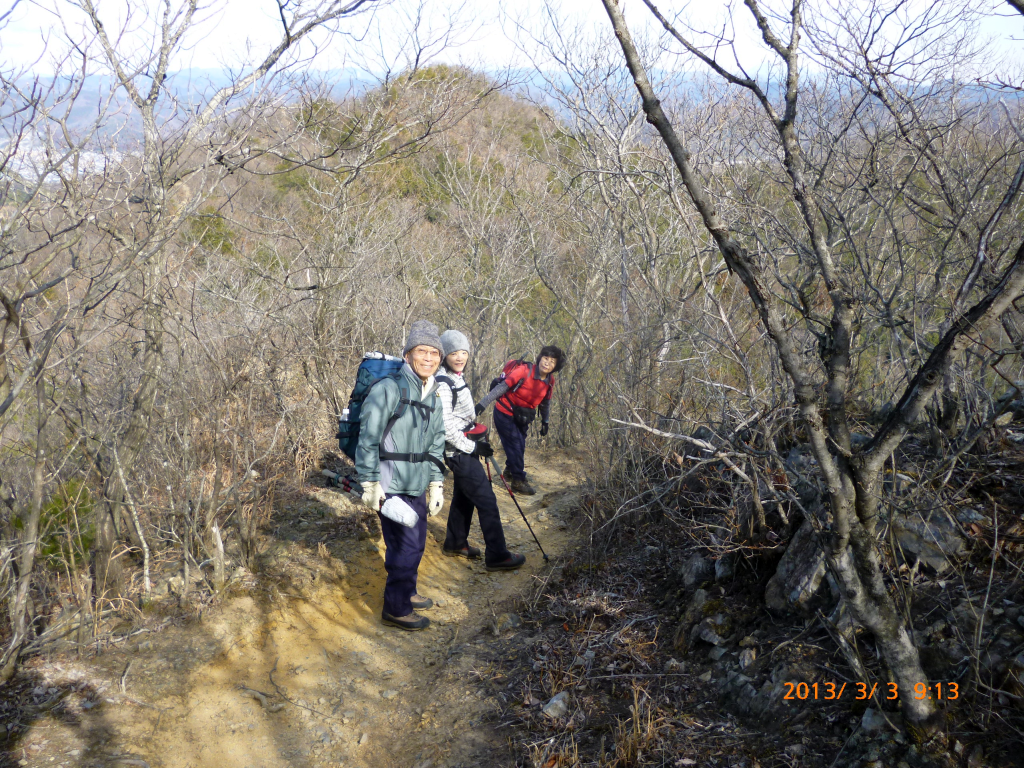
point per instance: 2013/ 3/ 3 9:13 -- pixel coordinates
(829, 691)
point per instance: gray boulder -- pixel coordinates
(505, 621)
(1017, 409)
(858, 440)
(873, 720)
(712, 630)
(704, 433)
(725, 567)
(797, 584)
(697, 571)
(747, 658)
(929, 538)
(693, 613)
(802, 469)
(558, 706)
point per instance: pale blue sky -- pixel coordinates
(235, 31)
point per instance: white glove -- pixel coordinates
(373, 494)
(435, 497)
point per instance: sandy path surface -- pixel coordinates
(295, 669)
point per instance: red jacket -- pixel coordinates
(531, 393)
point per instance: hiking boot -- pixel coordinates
(411, 623)
(510, 563)
(523, 488)
(420, 603)
(467, 551)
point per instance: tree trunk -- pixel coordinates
(858, 571)
(853, 553)
(107, 570)
(21, 618)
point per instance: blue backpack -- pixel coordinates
(375, 367)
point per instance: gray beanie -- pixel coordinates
(423, 332)
(454, 341)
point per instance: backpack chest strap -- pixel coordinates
(414, 457)
(425, 412)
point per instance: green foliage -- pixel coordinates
(533, 139)
(65, 527)
(210, 231)
(439, 73)
(540, 309)
(568, 143)
(444, 75)
(318, 112)
(270, 259)
(12, 192)
(291, 178)
(327, 122)
(410, 180)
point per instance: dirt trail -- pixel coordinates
(300, 672)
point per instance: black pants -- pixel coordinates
(513, 442)
(473, 489)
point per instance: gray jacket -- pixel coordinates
(420, 430)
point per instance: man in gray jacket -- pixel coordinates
(405, 460)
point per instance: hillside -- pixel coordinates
(785, 445)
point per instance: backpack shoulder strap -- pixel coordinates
(443, 378)
(403, 402)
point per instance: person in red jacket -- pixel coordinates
(517, 398)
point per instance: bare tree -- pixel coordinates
(52, 188)
(852, 475)
(98, 219)
(171, 168)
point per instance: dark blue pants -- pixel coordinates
(513, 442)
(473, 489)
(403, 552)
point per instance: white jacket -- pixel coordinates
(458, 418)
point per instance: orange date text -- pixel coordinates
(833, 691)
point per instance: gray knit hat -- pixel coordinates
(454, 341)
(423, 332)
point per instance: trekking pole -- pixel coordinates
(492, 461)
(347, 484)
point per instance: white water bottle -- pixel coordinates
(399, 511)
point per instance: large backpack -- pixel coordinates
(510, 366)
(375, 367)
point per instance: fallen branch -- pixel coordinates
(262, 698)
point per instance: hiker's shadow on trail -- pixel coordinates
(30, 701)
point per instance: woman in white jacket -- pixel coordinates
(462, 455)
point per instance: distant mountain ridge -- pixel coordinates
(101, 108)
(99, 102)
